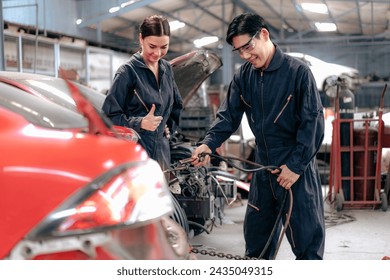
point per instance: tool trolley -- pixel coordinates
(355, 160)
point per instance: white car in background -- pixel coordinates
(323, 70)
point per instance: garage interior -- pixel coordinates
(360, 41)
(92, 38)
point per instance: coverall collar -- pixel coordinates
(276, 60)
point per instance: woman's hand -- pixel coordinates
(150, 121)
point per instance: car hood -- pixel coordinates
(192, 69)
(69, 95)
(51, 88)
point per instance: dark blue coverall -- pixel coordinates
(285, 114)
(131, 96)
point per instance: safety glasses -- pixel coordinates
(247, 47)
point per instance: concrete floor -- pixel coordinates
(351, 234)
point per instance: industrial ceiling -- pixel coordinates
(357, 22)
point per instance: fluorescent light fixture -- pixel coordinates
(79, 21)
(174, 25)
(128, 3)
(205, 41)
(325, 26)
(315, 8)
(114, 9)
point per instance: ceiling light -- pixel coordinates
(79, 21)
(205, 41)
(174, 25)
(128, 3)
(325, 26)
(315, 8)
(113, 9)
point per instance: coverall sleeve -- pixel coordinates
(114, 105)
(310, 132)
(228, 117)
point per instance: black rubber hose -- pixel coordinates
(228, 159)
(260, 168)
(286, 223)
(192, 223)
(274, 228)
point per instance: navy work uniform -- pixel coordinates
(131, 96)
(285, 114)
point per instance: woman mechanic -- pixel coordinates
(144, 95)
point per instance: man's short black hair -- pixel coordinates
(246, 23)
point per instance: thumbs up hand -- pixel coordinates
(150, 121)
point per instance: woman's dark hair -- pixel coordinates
(155, 26)
(246, 23)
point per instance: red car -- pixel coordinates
(190, 71)
(68, 191)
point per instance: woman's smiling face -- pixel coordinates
(154, 47)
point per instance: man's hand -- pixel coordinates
(150, 121)
(198, 160)
(286, 177)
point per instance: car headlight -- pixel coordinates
(131, 194)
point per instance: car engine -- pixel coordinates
(199, 193)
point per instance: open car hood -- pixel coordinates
(192, 69)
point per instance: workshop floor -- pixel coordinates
(351, 234)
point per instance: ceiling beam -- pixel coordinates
(359, 16)
(331, 17)
(161, 12)
(349, 40)
(246, 8)
(128, 24)
(284, 22)
(106, 15)
(208, 12)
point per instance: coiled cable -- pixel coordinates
(269, 168)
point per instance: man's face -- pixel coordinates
(252, 48)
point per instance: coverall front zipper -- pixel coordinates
(162, 102)
(263, 125)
